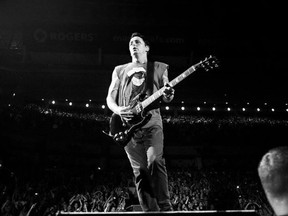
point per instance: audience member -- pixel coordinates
(273, 173)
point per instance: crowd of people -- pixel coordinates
(43, 191)
(190, 189)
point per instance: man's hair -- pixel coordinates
(273, 172)
(137, 34)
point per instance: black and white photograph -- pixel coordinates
(134, 107)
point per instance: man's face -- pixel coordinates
(137, 46)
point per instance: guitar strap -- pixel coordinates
(150, 79)
(148, 91)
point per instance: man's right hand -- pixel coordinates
(125, 113)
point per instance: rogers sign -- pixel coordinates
(41, 36)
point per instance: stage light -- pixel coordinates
(182, 108)
(53, 102)
(204, 102)
(70, 103)
(258, 110)
(265, 104)
(103, 106)
(42, 99)
(272, 109)
(213, 108)
(228, 109)
(226, 102)
(247, 103)
(87, 105)
(90, 100)
(182, 102)
(198, 108)
(167, 107)
(66, 100)
(286, 110)
(14, 94)
(243, 109)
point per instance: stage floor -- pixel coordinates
(172, 213)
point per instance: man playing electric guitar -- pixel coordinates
(144, 146)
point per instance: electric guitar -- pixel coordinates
(122, 131)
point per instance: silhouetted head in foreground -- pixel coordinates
(273, 173)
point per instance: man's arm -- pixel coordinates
(124, 112)
(112, 93)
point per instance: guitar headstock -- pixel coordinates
(208, 63)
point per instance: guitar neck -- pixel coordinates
(172, 83)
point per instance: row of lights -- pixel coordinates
(243, 109)
(90, 100)
(87, 105)
(183, 108)
(167, 108)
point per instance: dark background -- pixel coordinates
(68, 49)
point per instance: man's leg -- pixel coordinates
(136, 153)
(157, 167)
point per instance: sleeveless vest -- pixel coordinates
(154, 82)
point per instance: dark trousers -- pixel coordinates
(145, 153)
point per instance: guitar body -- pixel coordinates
(122, 132)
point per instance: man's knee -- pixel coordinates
(156, 164)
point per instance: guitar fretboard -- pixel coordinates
(172, 83)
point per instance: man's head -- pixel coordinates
(273, 173)
(138, 44)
